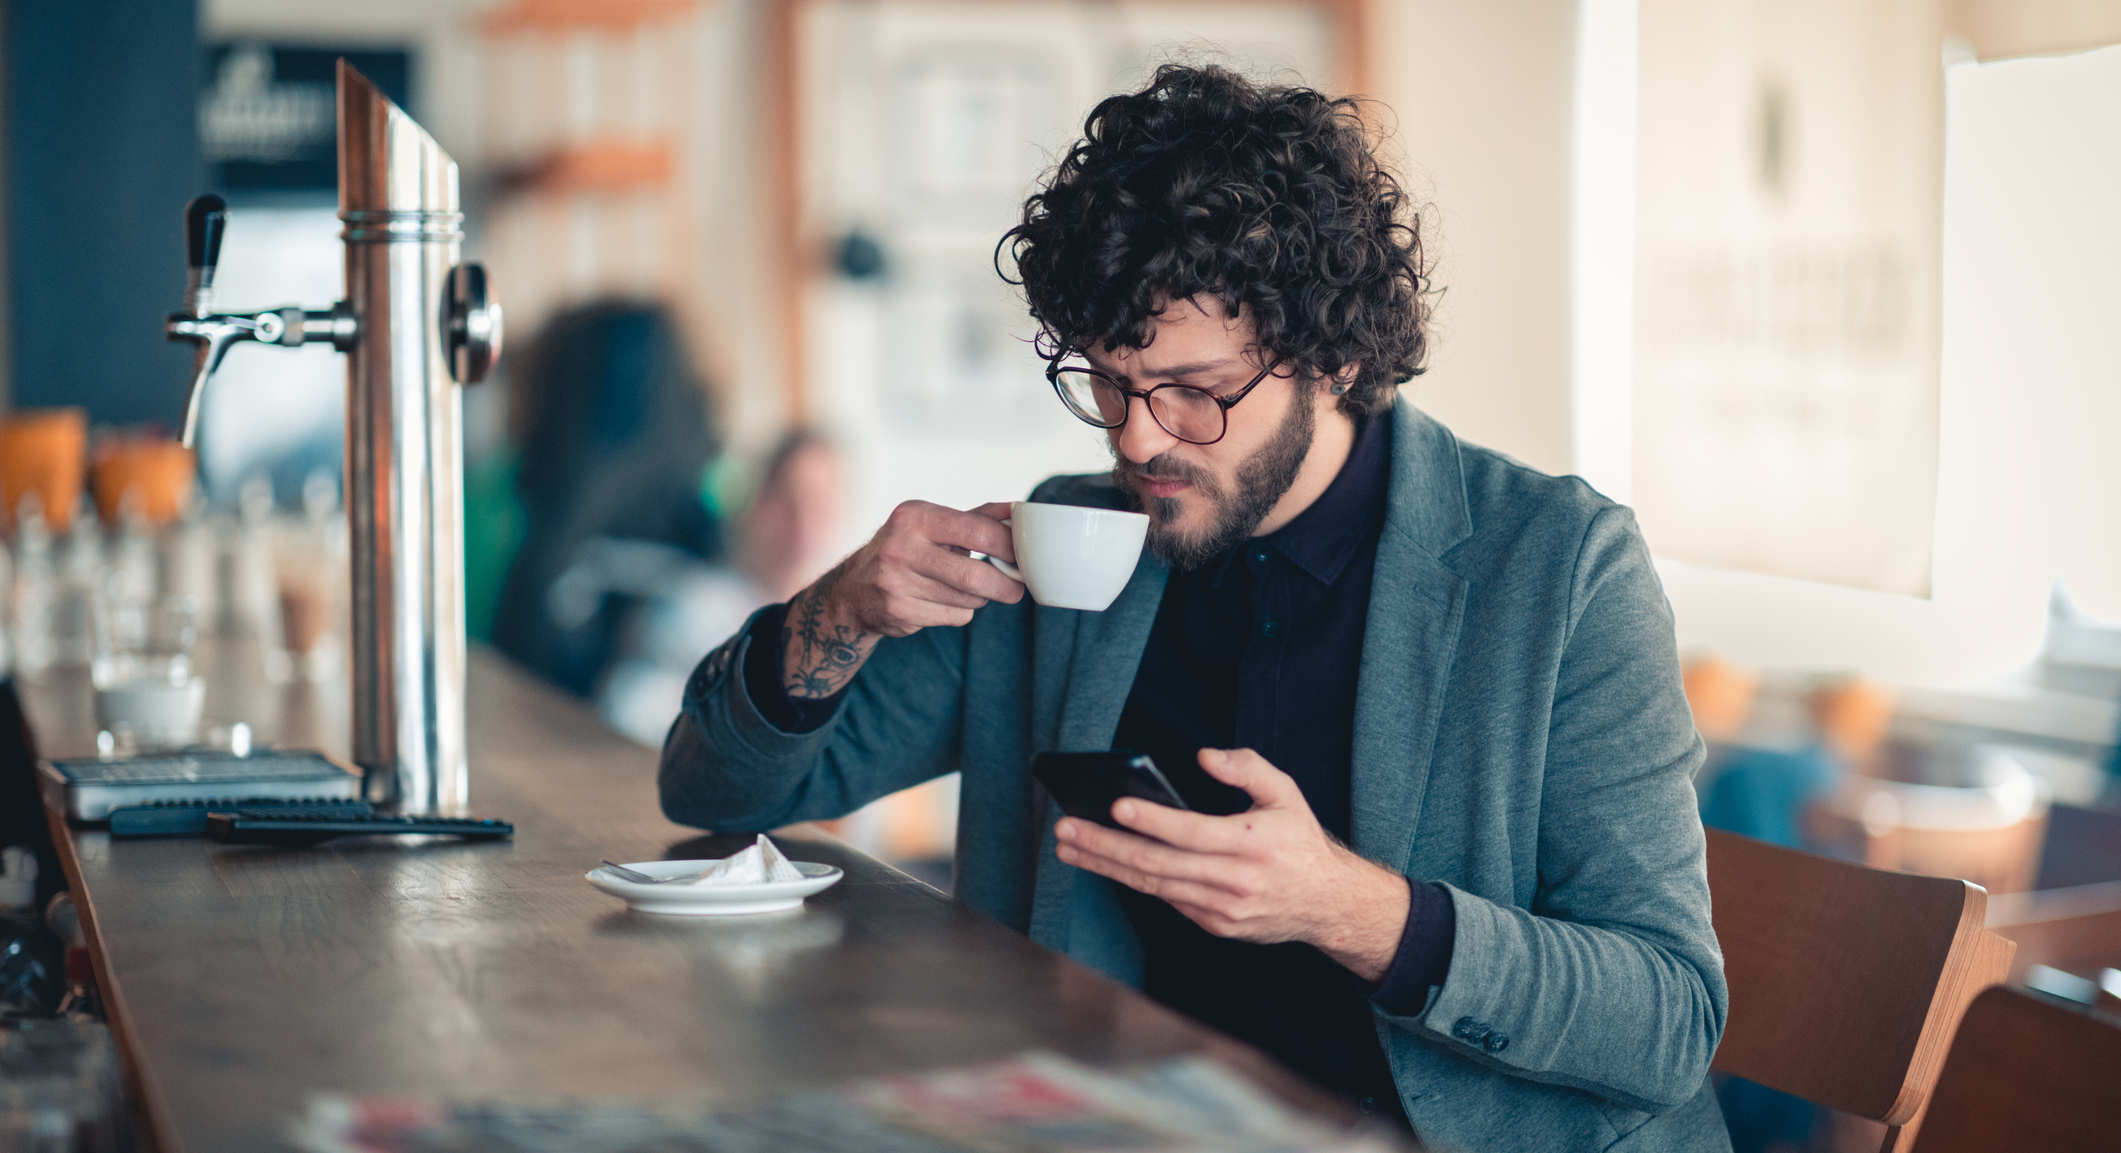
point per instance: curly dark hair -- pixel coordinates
(1265, 197)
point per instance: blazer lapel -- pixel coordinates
(1086, 664)
(1417, 605)
(1107, 651)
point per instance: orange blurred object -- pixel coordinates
(159, 469)
(1852, 714)
(1721, 695)
(45, 451)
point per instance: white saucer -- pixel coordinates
(711, 900)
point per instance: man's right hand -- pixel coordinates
(913, 574)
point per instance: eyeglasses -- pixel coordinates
(1193, 415)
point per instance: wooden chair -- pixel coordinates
(2026, 1073)
(1845, 981)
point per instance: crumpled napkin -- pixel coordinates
(760, 864)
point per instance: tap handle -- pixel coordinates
(205, 220)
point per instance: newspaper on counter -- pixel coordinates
(1031, 1103)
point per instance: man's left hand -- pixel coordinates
(1265, 875)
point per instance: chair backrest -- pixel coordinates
(1845, 981)
(2026, 1073)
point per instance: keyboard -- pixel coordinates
(88, 788)
(300, 825)
(188, 818)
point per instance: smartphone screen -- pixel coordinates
(1086, 784)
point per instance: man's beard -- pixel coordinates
(1261, 481)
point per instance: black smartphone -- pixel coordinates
(1086, 784)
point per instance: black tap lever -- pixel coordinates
(212, 334)
(205, 219)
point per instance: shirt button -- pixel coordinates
(1269, 629)
(1369, 1104)
(1259, 554)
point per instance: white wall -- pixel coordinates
(1482, 97)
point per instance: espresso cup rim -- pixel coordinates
(1085, 508)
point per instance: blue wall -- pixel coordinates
(101, 155)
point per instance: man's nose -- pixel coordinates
(1141, 439)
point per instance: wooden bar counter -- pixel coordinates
(240, 979)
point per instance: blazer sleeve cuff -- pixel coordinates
(1467, 1013)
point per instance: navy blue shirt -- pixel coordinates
(1258, 648)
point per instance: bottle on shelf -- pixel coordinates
(31, 594)
(133, 561)
(79, 571)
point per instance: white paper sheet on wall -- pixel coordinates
(2033, 244)
(1789, 191)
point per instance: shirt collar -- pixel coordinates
(1324, 537)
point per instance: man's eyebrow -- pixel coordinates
(1194, 369)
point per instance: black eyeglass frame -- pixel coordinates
(1226, 403)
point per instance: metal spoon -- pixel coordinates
(641, 878)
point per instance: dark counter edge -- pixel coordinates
(144, 1096)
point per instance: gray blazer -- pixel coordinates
(1520, 736)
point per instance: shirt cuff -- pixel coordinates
(1424, 957)
(767, 686)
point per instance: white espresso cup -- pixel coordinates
(1073, 557)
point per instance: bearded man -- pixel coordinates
(1449, 864)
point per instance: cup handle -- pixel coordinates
(1008, 570)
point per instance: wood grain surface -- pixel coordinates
(1846, 982)
(243, 978)
(2027, 1072)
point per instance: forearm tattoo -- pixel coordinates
(821, 657)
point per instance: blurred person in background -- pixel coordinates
(1424, 700)
(613, 433)
(794, 516)
(793, 519)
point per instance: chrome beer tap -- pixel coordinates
(213, 334)
(415, 325)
